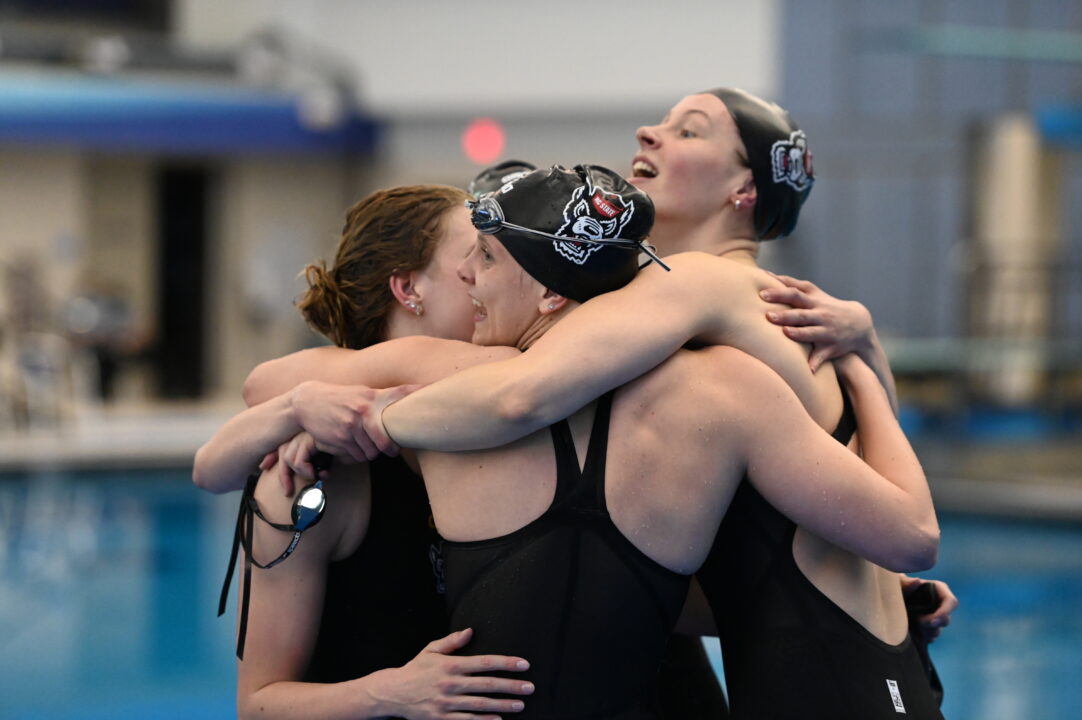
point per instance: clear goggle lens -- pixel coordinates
(308, 507)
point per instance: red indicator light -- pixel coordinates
(483, 141)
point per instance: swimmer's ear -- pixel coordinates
(404, 289)
(551, 302)
(745, 195)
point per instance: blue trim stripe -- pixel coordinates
(169, 117)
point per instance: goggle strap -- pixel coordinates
(653, 256)
(245, 588)
(616, 242)
(247, 537)
(277, 526)
(233, 551)
(242, 537)
(489, 204)
(242, 629)
(286, 553)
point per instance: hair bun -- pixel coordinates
(323, 304)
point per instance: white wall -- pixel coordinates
(493, 56)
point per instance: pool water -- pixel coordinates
(1014, 647)
(108, 595)
(109, 585)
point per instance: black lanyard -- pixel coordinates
(242, 535)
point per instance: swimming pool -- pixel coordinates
(109, 584)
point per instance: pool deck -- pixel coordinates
(1014, 477)
(121, 436)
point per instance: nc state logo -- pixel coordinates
(792, 162)
(591, 214)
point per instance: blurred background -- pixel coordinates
(168, 166)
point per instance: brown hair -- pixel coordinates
(388, 232)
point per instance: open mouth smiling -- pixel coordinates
(642, 169)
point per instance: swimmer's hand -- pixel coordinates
(436, 685)
(831, 326)
(269, 460)
(382, 399)
(295, 458)
(338, 417)
(933, 623)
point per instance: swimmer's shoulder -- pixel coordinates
(718, 275)
(699, 379)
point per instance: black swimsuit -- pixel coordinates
(789, 651)
(572, 595)
(383, 602)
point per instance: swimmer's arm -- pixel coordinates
(880, 509)
(876, 358)
(223, 463)
(333, 414)
(286, 602)
(868, 348)
(416, 359)
(271, 378)
(602, 344)
(286, 605)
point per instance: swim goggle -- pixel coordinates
(488, 217)
(307, 510)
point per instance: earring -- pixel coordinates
(736, 204)
(552, 306)
(415, 307)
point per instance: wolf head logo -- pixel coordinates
(591, 214)
(792, 162)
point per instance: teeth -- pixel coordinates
(641, 168)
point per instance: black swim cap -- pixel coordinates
(780, 161)
(493, 178)
(604, 219)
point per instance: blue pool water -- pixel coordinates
(109, 584)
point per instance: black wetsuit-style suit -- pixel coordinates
(789, 651)
(383, 603)
(572, 595)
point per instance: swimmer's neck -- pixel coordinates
(541, 325)
(746, 253)
(538, 328)
(737, 244)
